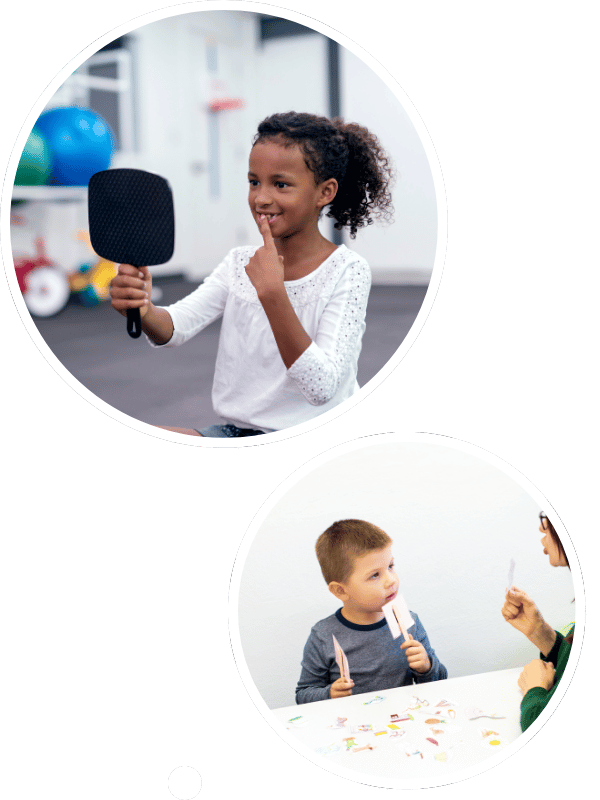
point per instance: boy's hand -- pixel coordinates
(131, 288)
(418, 660)
(537, 673)
(265, 268)
(341, 688)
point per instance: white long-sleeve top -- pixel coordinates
(252, 387)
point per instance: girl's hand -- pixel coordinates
(537, 673)
(131, 288)
(417, 657)
(341, 688)
(265, 268)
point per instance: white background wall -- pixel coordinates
(456, 522)
(404, 251)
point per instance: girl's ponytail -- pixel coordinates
(364, 193)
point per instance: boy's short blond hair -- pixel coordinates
(342, 542)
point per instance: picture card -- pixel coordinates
(341, 659)
(398, 617)
(511, 573)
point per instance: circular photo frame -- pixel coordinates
(358, 293)
(459, 525)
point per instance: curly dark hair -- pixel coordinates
(345, 151)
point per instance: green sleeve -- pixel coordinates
(532, 705)
(559, 655)
(536, 699)
(552, 656)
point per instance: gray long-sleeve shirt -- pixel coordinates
(375, 659)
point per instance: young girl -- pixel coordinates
(293, 309)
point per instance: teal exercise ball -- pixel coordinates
(81, 144)
(35, 163)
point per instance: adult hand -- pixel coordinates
(521, 612)
(265, 268)
(537, 673)
(417, 657)
(131, 288)
(341, 688)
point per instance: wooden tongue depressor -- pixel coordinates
(398, 617)
(132, 221)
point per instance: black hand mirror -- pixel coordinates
(131, 221)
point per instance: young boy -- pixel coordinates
(358, 566)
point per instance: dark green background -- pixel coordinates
(118, 547)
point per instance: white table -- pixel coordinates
(400, 748)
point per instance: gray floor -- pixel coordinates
(172, 387)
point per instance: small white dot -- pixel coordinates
(185, 783)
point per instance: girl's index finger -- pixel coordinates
(265, 229)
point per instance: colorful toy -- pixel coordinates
(81, 143)
(35, 163)
(45, 288)
(91, 282)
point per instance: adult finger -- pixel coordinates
(510, 610)
(514, 594)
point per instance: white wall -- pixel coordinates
(292, 75)
(456, 522)
(403, 252)
(174, 90)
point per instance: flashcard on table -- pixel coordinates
(328, 749)
(364, 747)
(438, 715)
(341, 659)
(493, 743)
(298, 722)
(478, 713)
(377, 699)
(416, 703)
(340, 723)
(398, 617)
(405, 717)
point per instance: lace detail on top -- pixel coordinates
(302, 291)
(318, 373)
